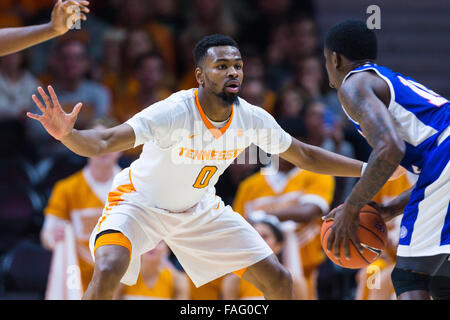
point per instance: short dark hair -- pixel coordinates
(214, 40)
(353, 40)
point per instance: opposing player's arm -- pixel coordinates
(87, 143)
(361, 102)
(64, 15)
(395, 207)
(321, 161)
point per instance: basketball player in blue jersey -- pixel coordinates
(408, 124)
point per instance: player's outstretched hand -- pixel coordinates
(53, 118)
(66, 13)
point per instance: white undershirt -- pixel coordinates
(220, 124)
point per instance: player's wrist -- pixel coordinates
(363, 168)
(66, 136)
(53, 30)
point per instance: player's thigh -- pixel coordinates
(414, 274)
(214, 243)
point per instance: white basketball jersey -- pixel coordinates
(184, 154)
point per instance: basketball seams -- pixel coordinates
(365, 223)
(360, 254)
(377, 236)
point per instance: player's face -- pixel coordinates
(330, 66)
(223, 72)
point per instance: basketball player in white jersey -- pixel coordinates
(168, 193)
(64, 15)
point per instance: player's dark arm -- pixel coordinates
(363, 105)
(395, 207)
(321, 161)
(87, 143)
(298, 213)
(16, 39)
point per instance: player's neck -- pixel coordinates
(214, 107)
(349, 67)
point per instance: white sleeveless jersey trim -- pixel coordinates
(410, 127)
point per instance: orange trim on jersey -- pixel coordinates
(217, 133)
(116, 238)
(115, 196)
(240, 272)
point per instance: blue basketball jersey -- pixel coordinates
(421, 115)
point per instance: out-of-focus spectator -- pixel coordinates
(158, 279)
(136, 15)
(168, 13)
(278, 69)
(320, 134)
(123, 82)
(79, 200)
(109, 69)
(209, 291)
(310, 77)
(212, 16)
(185, 45)
(272, 232)
(149, 71)
(304, 40)
(69, 66)
(289, 103)
(17, 85)
(254, 91)
(264, 15)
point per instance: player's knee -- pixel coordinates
(406, 280)
(111, 263)
(281, 279)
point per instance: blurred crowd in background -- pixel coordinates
(131, 54)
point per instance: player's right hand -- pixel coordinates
(53, 118)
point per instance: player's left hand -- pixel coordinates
(346, 222)
(66, 13)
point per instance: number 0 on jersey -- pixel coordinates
(204, 176)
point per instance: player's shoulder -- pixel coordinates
(178, 100)
(363, 82)
(252, 113)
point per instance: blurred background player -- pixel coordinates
(158, 279)
(283, 242)
(64, 15)
(79, 200)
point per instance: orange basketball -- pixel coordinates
(372, 234)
